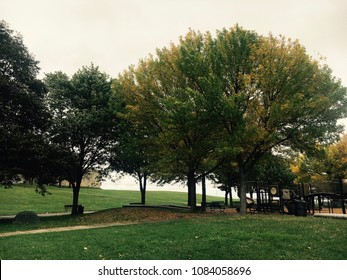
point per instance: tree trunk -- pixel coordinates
(203, 186)
(231, 197)
(143, 186)
(243, 200)
(75, 192)
(342, 197)
(192, 190)
(189, 195)
(229, 186)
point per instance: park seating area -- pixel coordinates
(80, 208)
(216, 205)
(299, 200)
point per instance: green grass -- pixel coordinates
(218, 236)
(207, 236)
(23, 197)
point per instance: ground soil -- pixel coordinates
(137, 214)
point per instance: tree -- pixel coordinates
(23, 117)
(276, 97)
(232, 99)
(269, 169)
(84, 126)
(328, 164)
(226, 178)
(310, 168)
(337, 160)
(161, 97)
(273, 169)
(130, 155)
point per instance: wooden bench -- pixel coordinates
(213, 205)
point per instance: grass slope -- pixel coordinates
(23, 197)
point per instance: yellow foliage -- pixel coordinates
(295, 168)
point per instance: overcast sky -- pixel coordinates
(113, 34)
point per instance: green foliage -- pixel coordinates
(336, 166)
(130, 154)
(273, 169)
(328, 164)
(84, 126)
(23, 117)
(230, 100)
(83, 122)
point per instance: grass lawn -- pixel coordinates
(162, 234)
(210, 236)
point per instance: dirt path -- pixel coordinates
(60, 229)
(111, 218)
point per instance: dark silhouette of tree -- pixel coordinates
(84, 126)
(23, 117)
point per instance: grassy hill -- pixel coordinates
(24, 197)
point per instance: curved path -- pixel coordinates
(60, 229)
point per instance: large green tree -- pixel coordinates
(232, 99)
(23, 117)
(161, 96)
(84, 126)
(269, 95)
(288, 100)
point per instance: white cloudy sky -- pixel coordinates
(113, 34)
(67, 34)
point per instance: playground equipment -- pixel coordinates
(263, 197)
(326, 196)
(299, 200)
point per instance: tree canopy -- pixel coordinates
(235, 97)
(84, 126)
(328, 164)
(130, 154)
(23, 116)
